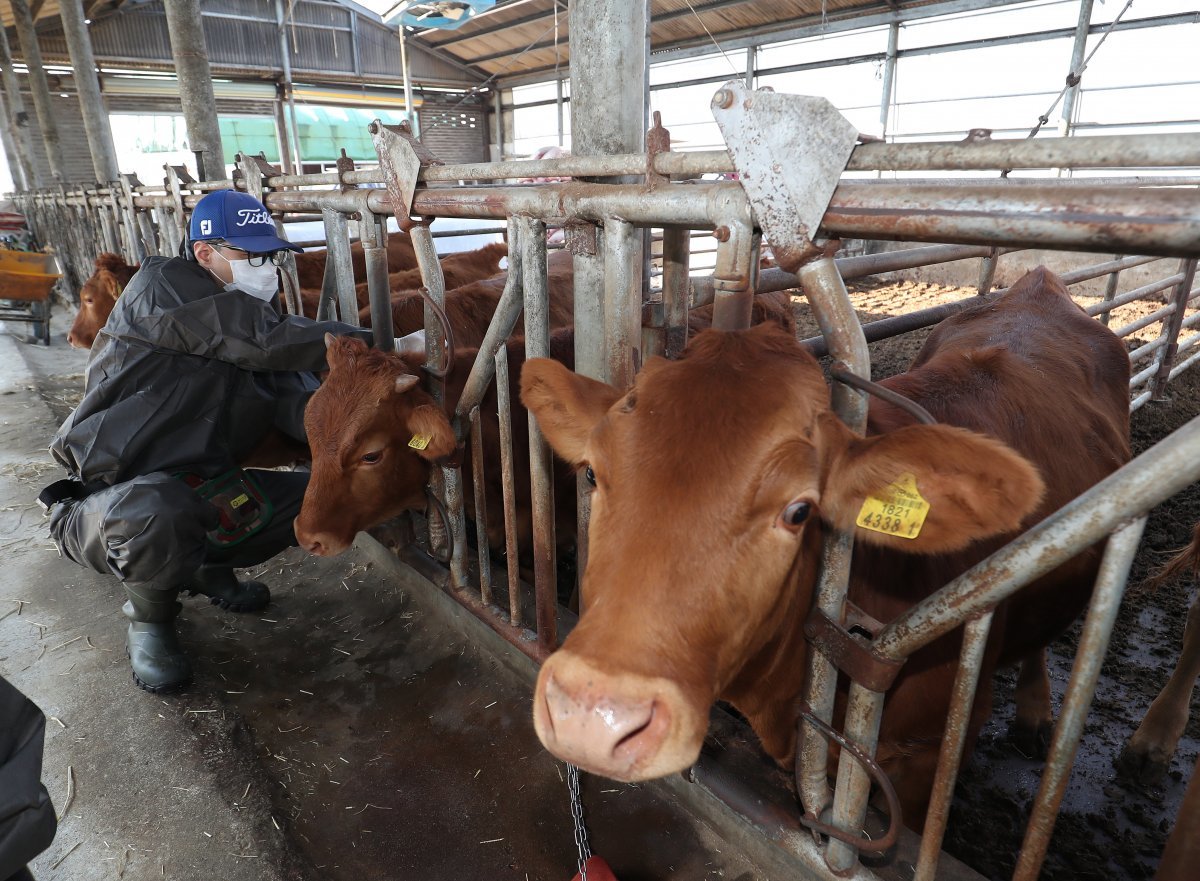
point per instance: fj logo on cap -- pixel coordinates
(247, 216)
(205, 227)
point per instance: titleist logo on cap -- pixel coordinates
(247, 216)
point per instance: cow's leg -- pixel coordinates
(1148, 753)
(1033, 724)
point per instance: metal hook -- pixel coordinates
(842, 374)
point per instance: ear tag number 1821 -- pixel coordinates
(899, 510)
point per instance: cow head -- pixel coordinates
(715, 476)
(97, 298)
(373, 433)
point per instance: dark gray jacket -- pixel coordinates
(27, 823)
(187, 376)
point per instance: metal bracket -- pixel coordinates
(658, 140)
(400, 156)
(344, 165)
(789, 152)
(581, 237)
(847, 651)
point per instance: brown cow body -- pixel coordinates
(717, 477)
(364, 471)
(310, 266)
(470, 307)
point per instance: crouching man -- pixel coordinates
(194, 368)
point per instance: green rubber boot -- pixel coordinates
(222, 588)
(159, 664)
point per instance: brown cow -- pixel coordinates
(459, 268)
(310, 266)
(361, 425)
(718, 475)
(470, 307)
(97, 298)
(1148, 753)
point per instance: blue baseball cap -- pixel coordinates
(239, 219)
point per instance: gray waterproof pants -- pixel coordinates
(152, 529)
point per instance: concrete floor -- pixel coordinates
(354, 729)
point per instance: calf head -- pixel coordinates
(97, 298)
(373, 433)
(715, 476)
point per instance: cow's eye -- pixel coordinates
(590, 475)
(372, 458)
(794, 515)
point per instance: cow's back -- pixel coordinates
(1033, 370)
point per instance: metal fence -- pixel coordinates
(968, 219)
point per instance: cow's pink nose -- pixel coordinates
(318, 543)
(588, 722)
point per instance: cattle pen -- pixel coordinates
(791, 154)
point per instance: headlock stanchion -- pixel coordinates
(790, 154)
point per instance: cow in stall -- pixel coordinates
(97, 297)
(470, 307)
(376, 435)
(717, 477)
(458, 269)
(1149, 751)
(310, 266)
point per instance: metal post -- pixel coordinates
(408, 98)
(42, 102)
(608, 116)
(289, 94)
(532, 234)
(337, 256)
(87, 83)
(498, 117)
(18, 118)
(987, 272)
(1093, 646)
(15, 167)
(622, 303)
(889, 78)
(375, 260)
(558, 106)
(186, 30)
(676, 257)
(751, 66)
(1110, 291)
(1077, 50)
(281, 132)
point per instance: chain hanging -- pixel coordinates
(581, 840)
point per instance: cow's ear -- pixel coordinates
(923, 489)
(432, 437)
(567, 405)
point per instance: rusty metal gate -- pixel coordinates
(801, 213)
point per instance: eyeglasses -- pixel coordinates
(276, 257)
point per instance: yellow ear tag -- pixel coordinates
(420, 441)
(899, 510)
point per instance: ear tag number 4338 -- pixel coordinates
(898, 510)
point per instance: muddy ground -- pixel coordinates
(1109, 828)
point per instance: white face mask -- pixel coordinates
(260, 282)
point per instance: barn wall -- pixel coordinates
(77, 156)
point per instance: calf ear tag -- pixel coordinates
(420, 441)
(898, 510)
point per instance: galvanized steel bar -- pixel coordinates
(1142, 351)
(675, 291)
(1155, 475)
(537, 345)
(376, 266)
(1093, 646)
(987, 271)
(831, 307)
(1146, 320)
(482, 550)
(1110, 292)
(1138, 401)
(39, 88)
(622, 302)
(91, 102)
(966, 681)
(337, 255)
(1136, 294)
(1184, 365)
(504, 321)
(508, 487)
(1171, 329)
(1075, 72)
(864, 712)
(733, 289)
(1140, 379)
(186, 30)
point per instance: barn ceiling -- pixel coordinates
(529, 39)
